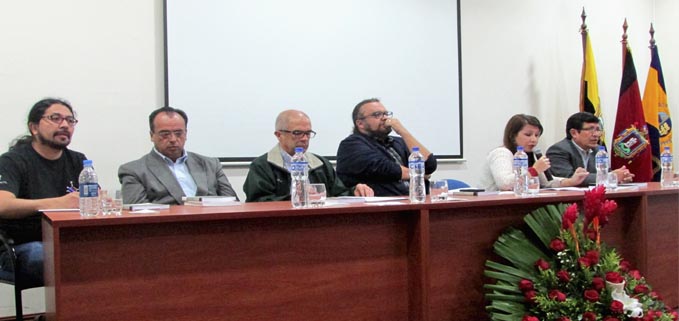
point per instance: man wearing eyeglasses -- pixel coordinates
(35, 174)
(579, 148)
(370, 155)
(269, 178)
(169, 172)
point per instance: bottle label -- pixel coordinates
(666, 158)
(416, 165)
(520, 162)
(602, 160)
(297, 166)
(89, 190)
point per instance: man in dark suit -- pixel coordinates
(579, 149)
(371, 156)
(168, 172)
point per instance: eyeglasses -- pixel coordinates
(378, 114)
(592, 129)
(165, 134)
(299, 133)
(58, 118)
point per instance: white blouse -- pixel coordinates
(498, 173)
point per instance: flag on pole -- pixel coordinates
(631, 146)
(656, 110)
(589, 86)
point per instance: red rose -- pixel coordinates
(569, 216)
(530, 318)
(525, 285)
(641, 288)
(589, 316)
(635, 274)
(625, 265)
(584, 262)
(614, 277)
(674, 315)
(610, 318)
(598, 283)
(557, 245)
(563, 319)
(542, 264)
(557, 295)
(563, 276)
(655, 295)
(617, 307)
(593, 256)
(591, 295)
(530, 296)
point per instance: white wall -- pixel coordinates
(518, 57)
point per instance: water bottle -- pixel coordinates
(299, 171)
(666, 174)
(521, 174)
(601, 160)
(416, 170)
(89, 190)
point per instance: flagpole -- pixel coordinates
(624, 43)
(652, 41)
(583, 32)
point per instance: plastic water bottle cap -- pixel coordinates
(519, 148)
(602, 148)
(416, 149)
(87, 162)
(299, 150)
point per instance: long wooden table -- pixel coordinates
(267, 261)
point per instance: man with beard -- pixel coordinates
(371, 156)
(269, 178)
(168, 172)
(35, 174)
(579, 149)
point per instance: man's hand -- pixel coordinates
(577, 178)
(395, 124)
(70, 200)
(363, 190)
(624, 175)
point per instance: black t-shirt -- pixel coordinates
(26, 174)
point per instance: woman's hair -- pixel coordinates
(514, 126)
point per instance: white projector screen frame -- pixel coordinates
(233, 65)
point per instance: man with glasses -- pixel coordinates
(269, 178)
(579, 148)
(370, 155)
(35, 174)
(168, 172)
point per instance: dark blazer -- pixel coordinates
(565, 158)
(149, 179)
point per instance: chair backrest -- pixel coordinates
(454, 184)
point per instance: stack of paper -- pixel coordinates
(210, 201)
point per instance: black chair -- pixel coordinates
(10, 277)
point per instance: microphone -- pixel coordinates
(538, 154)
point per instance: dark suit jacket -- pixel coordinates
(565, 158)
(149, 179)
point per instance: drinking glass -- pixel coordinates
(111, 202)
(438, 190)
(612, 180)
(117, 197)
(317, 195)
(533, 186)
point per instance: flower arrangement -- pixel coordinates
(567, 273)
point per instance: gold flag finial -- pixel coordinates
(652, 32)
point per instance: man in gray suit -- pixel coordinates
(579, 148)
(168, 172)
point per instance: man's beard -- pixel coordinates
(379, 133)
(51, 142)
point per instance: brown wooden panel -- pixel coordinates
(662, 268)
(310, 268)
